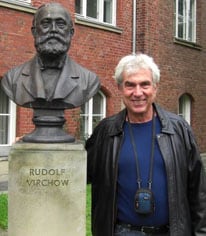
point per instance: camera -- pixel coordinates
(144, 201)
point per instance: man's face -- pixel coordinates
(52, 33)
(138, 93)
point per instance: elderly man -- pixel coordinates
(146, 172)
(51, 79)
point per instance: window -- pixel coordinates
(25, 1)
(91, 113)
(21, 1)
(7, 120)
(100, 10)
(185, 107)
(186, 20)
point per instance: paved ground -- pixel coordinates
(3, 232)
(3, 184)
(3, 175)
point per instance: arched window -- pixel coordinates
(7, 123)
(185, 107)
(91, 113)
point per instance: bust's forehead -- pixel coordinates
(52, 11)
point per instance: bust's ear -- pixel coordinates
(72, 31)
(33, 30)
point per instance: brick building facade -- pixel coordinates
(98, 44)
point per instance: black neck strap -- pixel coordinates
(139, 180)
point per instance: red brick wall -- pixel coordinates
(16, 44)
(183, 68)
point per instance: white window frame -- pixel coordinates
(4, 148)
(185, 104)
(186, 20)
(26, 2)
(12, 123)
(100, 11)
(89, 114)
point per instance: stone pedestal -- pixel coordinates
(47, 190)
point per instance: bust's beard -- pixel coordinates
(51, 49)
(52, 45)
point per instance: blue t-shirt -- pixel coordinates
(127, 176)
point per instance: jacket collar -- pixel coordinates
(33, 70)
(119, 120)
(164, 119)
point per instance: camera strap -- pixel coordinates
(151, 155)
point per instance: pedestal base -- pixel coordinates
(47, 190)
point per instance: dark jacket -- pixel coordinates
(76, 85)
(185, 174)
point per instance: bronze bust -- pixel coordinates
(51, 81)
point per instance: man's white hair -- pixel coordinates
(130, 64)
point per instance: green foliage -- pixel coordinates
(3, 211)
(88, 211)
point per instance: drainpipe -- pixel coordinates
(134, 27)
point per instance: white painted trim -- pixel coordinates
(186, 21)
(12, 122)
(100, 11)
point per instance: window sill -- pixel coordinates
(19, 6)
(187, 43)
(95, 24)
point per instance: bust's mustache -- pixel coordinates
(45, 38)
